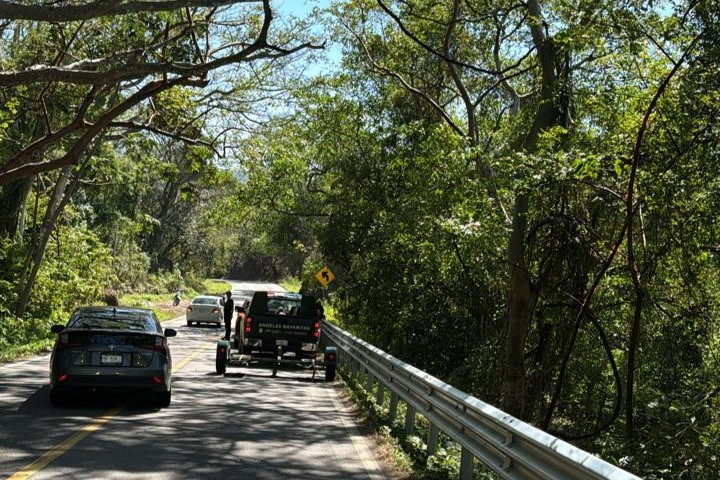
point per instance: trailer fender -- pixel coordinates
(330, 357)
(223, 349)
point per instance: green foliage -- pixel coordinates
(75, 271)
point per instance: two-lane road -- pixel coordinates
(244, 425)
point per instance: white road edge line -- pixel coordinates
(358, 440)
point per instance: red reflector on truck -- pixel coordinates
(63, 377)
(157, 380)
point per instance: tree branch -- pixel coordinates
(103, 8)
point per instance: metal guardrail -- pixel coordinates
(511, 448)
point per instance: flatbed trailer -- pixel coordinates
(226, 356)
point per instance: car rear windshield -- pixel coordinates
(91, 322)
(205, 301)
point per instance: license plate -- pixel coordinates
(110, 358)
(281, 343)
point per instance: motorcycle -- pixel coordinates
(176, 299)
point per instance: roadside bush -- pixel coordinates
(75, 271)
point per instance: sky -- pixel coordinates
(301, 9)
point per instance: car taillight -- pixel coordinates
(216, 310)
(316, 333)
(64, 342)
(188, 309)
(248, 324)
(160, 345)
(331, 357)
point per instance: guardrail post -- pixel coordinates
(380, 393)
(369, 382)
(392, 409)
(410, 420)
(432, 442)
(467, 466)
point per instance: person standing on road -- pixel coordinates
(228, 312)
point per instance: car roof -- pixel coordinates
(214, 297)
(115, 311)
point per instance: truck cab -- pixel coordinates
(280, 319)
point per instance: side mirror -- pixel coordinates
(57, 328)
(169, 332)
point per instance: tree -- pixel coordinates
(76, 88)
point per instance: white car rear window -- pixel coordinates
(205, 301)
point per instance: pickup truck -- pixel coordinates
(278, 328)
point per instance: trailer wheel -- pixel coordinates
(220, 362)
(330, 373)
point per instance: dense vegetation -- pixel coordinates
(519, 198)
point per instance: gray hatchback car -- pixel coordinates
(112, 348)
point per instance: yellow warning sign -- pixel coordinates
(324, 276)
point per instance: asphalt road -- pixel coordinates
(243, 425)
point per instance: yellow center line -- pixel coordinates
(62, 448)
(191, 357)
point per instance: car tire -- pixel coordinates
(189, 323)
(56, 397)
(330, 373)
(162, 399)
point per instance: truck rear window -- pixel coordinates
(283, 304)
(287, 306)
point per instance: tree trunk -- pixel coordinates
(27, 185)
(61, 195)
(519, 291)
(518, 311)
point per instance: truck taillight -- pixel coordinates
(248, 324)
(316, 333)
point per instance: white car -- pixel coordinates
(205, 309)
